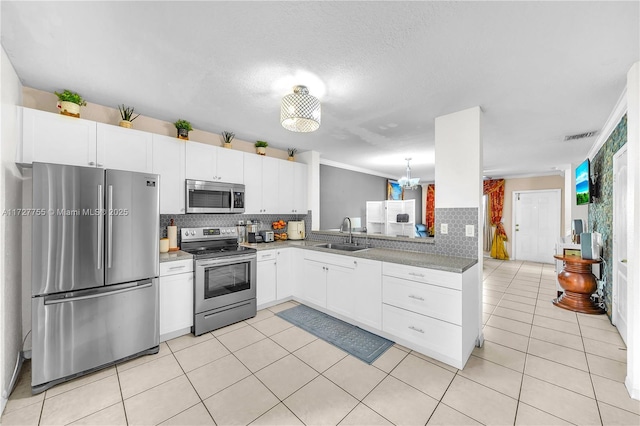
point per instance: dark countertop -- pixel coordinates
(410, 258)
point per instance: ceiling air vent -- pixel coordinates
(580, 136)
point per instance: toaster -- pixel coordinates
(267, 236)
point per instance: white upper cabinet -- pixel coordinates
(210, 163)
(292, 190)
(169, 163)
(261, 184)
(124, 149)
(230, 166)
(56, 138)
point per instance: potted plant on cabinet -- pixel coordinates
(127, 116)
(261, 147)
(183, 127)
(227, 137)
(292, 153)
(69, 103)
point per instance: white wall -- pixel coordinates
(10, 227)
(633, 222)
(459, 159)
(458, 176)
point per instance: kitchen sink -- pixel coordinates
(342, 247)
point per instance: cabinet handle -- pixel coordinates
(416, 274)
(91, 163)
(177, 267)
(355, 263)
(419, 330)
(416, 297)
(99, 165)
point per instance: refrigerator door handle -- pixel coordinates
(100, 226)
(95, 295)
(110, 227)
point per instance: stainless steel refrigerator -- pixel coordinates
(94, 270)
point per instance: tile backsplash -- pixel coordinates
(222, 220)
(454, 243)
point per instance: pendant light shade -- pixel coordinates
(406, 182)
(300, 112)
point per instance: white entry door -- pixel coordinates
(619, 308)
(536, 219)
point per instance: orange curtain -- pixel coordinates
(431, 209)
(495, 190)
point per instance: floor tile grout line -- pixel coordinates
(524, 368)
(593, 386)
(124, 408)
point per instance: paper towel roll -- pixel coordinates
(172, 234)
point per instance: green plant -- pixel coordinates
(292, 151)
(127, 113)
(183, 124)
(261, 144)
(69, 96)
(227, 137)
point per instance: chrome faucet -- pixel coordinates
(342, 225)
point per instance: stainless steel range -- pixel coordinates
(224, 277)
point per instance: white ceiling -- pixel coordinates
(382, 70)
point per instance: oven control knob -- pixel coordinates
(193, 232)
(186, 233)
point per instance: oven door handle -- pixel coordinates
(225, 260)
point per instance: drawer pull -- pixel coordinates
(419, 330)
(416, 274)
(177, 267)
(416, 297)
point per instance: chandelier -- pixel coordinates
(406, 182)
(300, 112)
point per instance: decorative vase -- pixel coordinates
(291, 159)
(183, 134)
(578, 283)
(126, 123)
(261, 150)
(227, 145)
(69, 108)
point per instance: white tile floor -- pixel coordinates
(540, 365)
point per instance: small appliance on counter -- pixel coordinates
(267, 236)
(254, 237)
(296, 230)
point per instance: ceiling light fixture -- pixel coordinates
(300, 112)
(406, 182)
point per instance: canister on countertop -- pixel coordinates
(164, 245)
(172, 234)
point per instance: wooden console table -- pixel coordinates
(578, 284)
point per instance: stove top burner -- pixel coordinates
(204, 253)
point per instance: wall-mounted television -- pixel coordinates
(583, 183)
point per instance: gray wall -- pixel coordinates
(345, 193)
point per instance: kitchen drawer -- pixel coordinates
(439, 336)
(176, 267)
(331, 259)
(433, 301)
(423, 275)
(267, 255)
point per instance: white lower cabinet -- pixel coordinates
(176, 299)
(266, 277)
(285, 273)
(434, 312)
(437, 336)
(357, 294)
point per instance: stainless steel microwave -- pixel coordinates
(213, 197)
